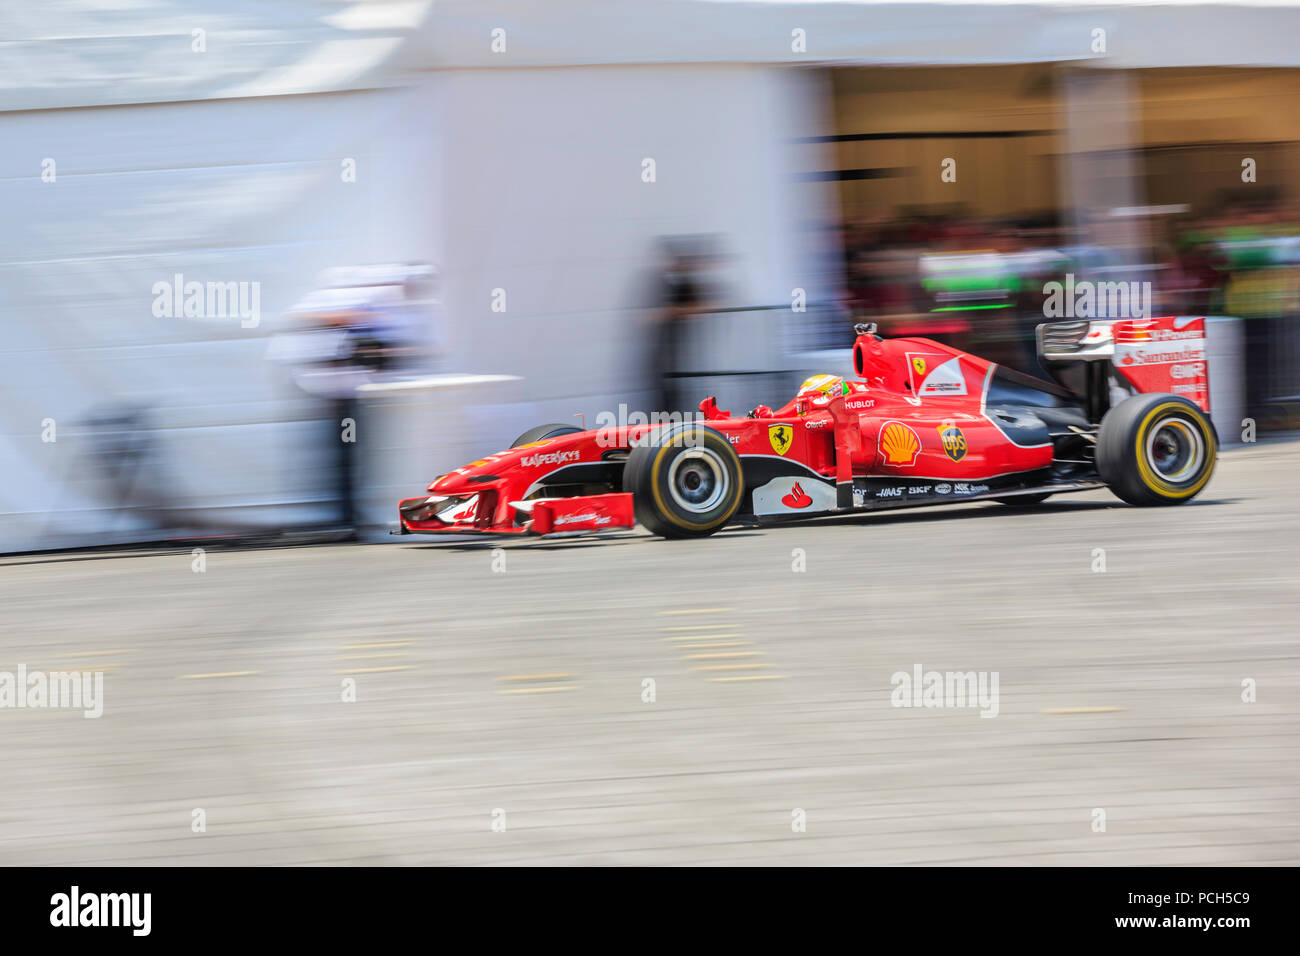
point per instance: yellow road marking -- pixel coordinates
(700, 645)
(700, 610)
(738, 677)
(79, 666)
(556, 676)
(95, 653)
(698, 627)
(377, 670)
(217, 674)
(696, 637)
(728, 667)
(374, 644)
(720, 654)
(551, 689)
(368, 657)
(1081, 710)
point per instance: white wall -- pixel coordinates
(236, 190)
(527, 180)
(544, 198)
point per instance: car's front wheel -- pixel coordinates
(686, 481)
(543, 432)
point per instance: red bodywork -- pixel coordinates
(1164, 355)
(915, 412)
(916, 427)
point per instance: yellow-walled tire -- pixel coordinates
(686, 481)
(1156, 449)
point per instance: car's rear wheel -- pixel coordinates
(543, 432)
(1156, 449)
(686, 481)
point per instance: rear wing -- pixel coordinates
(1165, 354)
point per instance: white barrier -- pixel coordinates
(1225, 352)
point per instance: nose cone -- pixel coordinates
(467, 479)
(449, 483)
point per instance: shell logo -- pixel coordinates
(899, 444)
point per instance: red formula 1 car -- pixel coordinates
(922, 424)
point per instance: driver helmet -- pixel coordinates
(823, 386)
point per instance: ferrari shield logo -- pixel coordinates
(918, 363)
(781, 436)
(954, 442)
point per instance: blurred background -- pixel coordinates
(450, 221)
(268, 266)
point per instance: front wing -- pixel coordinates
(545, 517)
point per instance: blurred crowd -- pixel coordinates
(979, 283)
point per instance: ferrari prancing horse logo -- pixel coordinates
(781, 436)
(918, 363)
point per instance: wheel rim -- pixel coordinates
(697, 480)
(1175, 449)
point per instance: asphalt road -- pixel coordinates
(514, 694)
